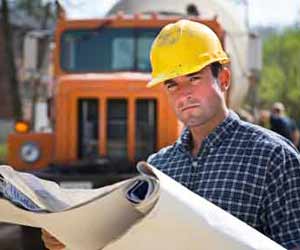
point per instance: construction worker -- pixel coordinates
(249, 171)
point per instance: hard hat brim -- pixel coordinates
(162, 78)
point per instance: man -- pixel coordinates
(249, 171)
(280, 123)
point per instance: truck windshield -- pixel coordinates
(107, 49)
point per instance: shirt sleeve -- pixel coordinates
(281, 204)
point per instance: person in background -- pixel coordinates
(264, 118)
(280, 123)
(296, 138)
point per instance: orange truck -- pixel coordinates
(102, 113)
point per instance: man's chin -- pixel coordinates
(193, 123)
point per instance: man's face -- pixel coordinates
(196, 98)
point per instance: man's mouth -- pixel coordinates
(190, 107)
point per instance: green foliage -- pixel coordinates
(31, 7)
(281, 73)
(34, 8)
(3, 151)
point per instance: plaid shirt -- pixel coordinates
(251, 172)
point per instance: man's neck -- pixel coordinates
(199, 133)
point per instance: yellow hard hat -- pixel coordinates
(183, 48)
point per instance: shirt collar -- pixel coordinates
(224, 129)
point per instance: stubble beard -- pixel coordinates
(194, 120)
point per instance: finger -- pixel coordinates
(51, 242)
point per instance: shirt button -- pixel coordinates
(194, 164)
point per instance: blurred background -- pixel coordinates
(261, 36)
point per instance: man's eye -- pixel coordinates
(195, 78)
(171, 87)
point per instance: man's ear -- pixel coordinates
(224, 78)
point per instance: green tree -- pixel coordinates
(280, 79)
(42, 12)
(36, 8)
(10, 59)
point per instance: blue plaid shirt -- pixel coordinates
(251, 172)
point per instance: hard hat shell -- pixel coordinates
(183, 48)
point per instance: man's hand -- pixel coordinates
(51, 242)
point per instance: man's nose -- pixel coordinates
(185, 91)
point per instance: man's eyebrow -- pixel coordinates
(169, 81)
(195, 73)
(189, 75)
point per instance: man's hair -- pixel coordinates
(215, 67)
(278, 108)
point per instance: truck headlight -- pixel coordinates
(30, 152)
